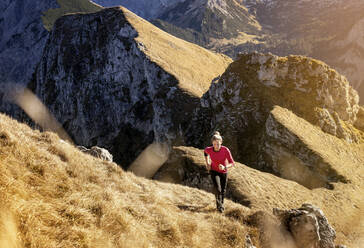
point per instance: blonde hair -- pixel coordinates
(216, 136)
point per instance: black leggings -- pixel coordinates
(220, 182)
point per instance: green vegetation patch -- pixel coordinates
(66, 7)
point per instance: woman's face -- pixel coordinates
(216, 144)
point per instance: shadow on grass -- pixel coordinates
(197, 209)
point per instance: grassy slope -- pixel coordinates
(52, 195)
(194, 66)
(68, 6)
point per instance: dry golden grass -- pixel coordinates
(193, 66)
(56, 196)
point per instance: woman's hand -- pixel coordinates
(229, 165)
(221, 167)
(208, 167)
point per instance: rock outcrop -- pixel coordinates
(114, 80)
(97, 152)
(241, 105)
(308, 225)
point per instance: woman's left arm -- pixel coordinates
(230, 159)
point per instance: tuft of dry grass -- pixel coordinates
(57, 196)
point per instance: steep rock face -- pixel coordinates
(241, 106)
(112, 80)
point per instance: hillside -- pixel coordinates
(53, 195)
(119, 82)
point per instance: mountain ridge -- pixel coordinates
(147, 89)
(280, 27)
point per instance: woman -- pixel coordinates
(221, 160)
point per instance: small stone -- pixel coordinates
(97, 152)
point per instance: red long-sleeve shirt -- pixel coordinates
(223, 156)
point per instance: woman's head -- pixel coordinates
(216, 140)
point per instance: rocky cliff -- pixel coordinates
(116, 81)
(241, 104)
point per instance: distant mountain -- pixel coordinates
(212, 19)
(327, 30)
(147, 9)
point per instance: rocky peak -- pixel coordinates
(114, 80)
(306, 86)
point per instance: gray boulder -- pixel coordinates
(97, 152)
(309, 226)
